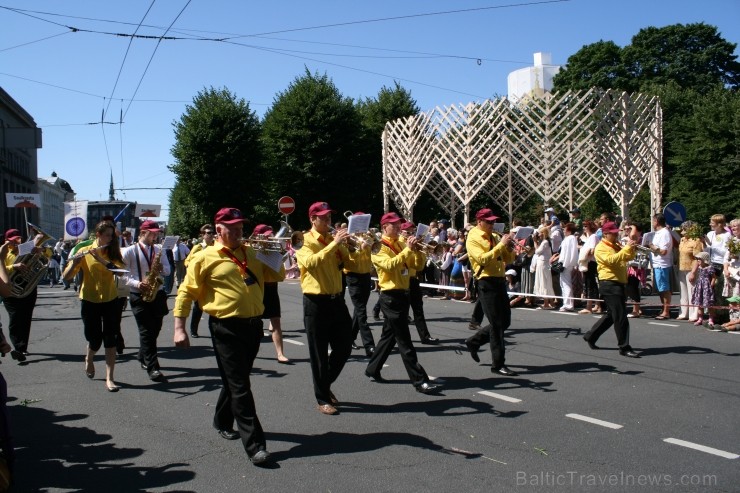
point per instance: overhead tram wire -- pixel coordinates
(125, 55)
(35, 41)
(152, 57)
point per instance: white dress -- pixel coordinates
(542, 273)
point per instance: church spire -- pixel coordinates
(111, 192)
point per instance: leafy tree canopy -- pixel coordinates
(217, 160)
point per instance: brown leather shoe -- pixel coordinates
(333, 399)
(328, 409)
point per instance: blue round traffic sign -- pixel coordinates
(675, 213)
(75, 226)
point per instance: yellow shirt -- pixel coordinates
(480, 253)
(197, 248)
(98, 283)
(272, 276)
(418, 261)
(612, 264)
(392, 267)
(216, 283)
(321, 260)
(360, 262)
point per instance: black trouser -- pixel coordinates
(359, 286)
(102, 322)
(613, 294)
(195, 317)
(149, 320)
(477, 316)
(236, 342)
(328, 324)
(20, 314)
(416, 298)
(495, 303)
(395, 306)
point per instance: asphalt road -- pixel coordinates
(574, 420)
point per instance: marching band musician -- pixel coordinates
(208, 234)
(100, 308)
(488, 256)
(612, 264)
(416, 297)
(144, 261)
(391, 262)
(20, 310)
(271, 299)
(359, 284)
(226, 280)
(328, 324)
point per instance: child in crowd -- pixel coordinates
(734, 323)
(513, 286)
(704, 279)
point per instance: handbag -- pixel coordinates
(557, 267)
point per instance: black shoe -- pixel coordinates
(428, 388)
(429, 340)
(504, 371)
(143, 365)
(369, 351)
(590, 344)
(18, 356)
(473, 351)
(474, 326)
(229, 435)
(156, 376)
(260, 457)
(194, 335)
(629, 353)
(376, 376)
(355, 346)
(376, 316)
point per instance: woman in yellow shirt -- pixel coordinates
(100, 309)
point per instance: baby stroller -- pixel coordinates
(640, 268)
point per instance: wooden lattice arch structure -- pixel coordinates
(561, 146)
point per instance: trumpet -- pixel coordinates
(431, 248)
(278, 242)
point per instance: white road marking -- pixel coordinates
(499, 396)
(595, 421)
(702, 448)
(734, 332)
(291, 341)
(664, 325)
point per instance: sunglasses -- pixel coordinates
(208, 232)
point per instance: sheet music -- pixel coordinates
(421, 232)
(523, 232)
(647, 238)
(169, 242)
(26, 248)
(359, 223)
(272, 259)
(499, 227)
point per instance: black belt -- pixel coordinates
(323, 296)
(253, 321)
(392, 292)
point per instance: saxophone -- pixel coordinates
(153, 279)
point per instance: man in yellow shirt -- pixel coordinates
(359, 284)
(488, 256)
(325, 316)
(208, 233)
(611, 261)
(391, 263)
(226, 281)
(416, 297)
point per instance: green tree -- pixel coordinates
(693, 56)
(596, 65)
(310, 139)
(217, 160)
(390, 104)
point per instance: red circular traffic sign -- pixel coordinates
(286, 205)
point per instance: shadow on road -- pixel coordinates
(334, 443)
(53, 454)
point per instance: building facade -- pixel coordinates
(54, 193)
(19, 140)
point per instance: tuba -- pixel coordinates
(22, 283)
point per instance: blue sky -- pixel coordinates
(65, 79)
